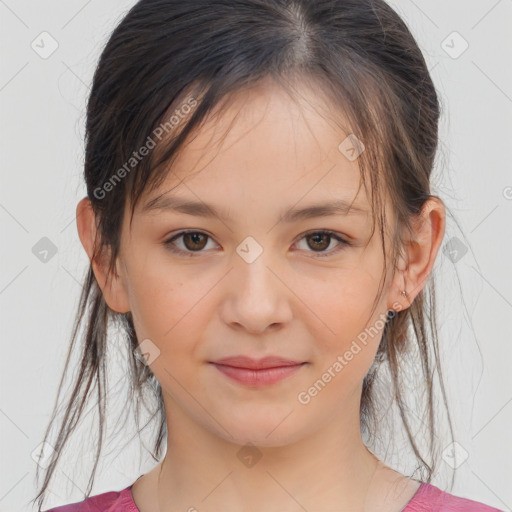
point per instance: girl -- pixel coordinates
(260, 226)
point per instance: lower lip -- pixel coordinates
(256, 378)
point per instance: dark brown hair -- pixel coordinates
(357, 53)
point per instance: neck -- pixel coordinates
(330, 469)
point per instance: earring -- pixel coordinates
(391, 312)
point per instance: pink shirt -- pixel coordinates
(428, 498)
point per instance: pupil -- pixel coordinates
(196, 244)
(325, 236)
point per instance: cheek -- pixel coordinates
(168, 308)
(343, 306)
(161, 301)
(155, 303)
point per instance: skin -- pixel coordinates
(290, 302)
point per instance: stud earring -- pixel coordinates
(404, 293)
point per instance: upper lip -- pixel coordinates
(256, 364)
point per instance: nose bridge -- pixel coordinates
(256, 280)
(258, 297)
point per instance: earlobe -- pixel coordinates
(112, 286)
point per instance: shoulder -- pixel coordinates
(112, 501)
(432, 499)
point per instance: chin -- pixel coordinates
(263, 433)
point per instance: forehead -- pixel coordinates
(262, 143)
(263, 152)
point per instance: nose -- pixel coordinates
(257, 298)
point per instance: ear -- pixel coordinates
(420, 253)
(113, 286)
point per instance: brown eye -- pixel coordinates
(194, 241)
(187, 243)
(319, 241)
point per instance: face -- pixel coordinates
(256, 278)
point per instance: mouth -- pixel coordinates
(257, 364)
(255, 373)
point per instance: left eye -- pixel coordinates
(195, 241)
(320, 240)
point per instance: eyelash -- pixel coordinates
(320, 254)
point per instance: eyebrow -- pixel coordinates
(165, 202)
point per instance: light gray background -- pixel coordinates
(42, 107)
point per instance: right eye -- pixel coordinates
(191, 242)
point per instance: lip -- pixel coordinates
(257, 372)
(257, 364)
